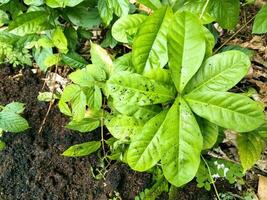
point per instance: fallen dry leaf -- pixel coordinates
(262, 188)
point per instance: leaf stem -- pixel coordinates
(204, 8)
(212, 180)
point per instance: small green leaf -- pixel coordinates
(260, 23)
(124, 63)
(105, 11)
(12, 122)
(74, 60)
(123, 127)
(101, 59)
(228, 110)
(120, 7)
(94, 101)
(83, 149)
(186, 48)
(83, 17)
(79, 106)
(70, 92)
(135, 89)
(59, 40)
(127, 26)
(15, 107)
(85, 125)
(62, 3)
(150, 44)
(250, 147)
(52, 60)
(82, 77)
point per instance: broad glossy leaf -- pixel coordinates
(153, 4)
(220, 72)
(226, 12)
(186, 48)
(260, 23)
(228, 110)
(150, 44)
(181, 144)
(15, 107)
(101, 58)
(123, 127)
(250, 147)
(209, 132)
(12, 122)
(135, 89)
(31, 22)
(127, 26)
(83, 149)
(144, 149)
(85, 125)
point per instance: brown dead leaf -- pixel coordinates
(262, 188)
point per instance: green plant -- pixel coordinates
(163, 105)
(11, 121)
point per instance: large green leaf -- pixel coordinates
(226, 12)
(260, 23)
(126, 27)
(250, 147)
(233, 111)
(144, 149)
(186, 48)
(134, 89)
(124, 63)
(181, 144)
(123, 127)
(220, 72)
(209, 132)
(31, 22)
(83, 149)
(59, 40)
(79, 107)
(74, 60)
(150, 44)
(12, 122)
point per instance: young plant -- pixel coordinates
(11, 121)
(167, 97)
